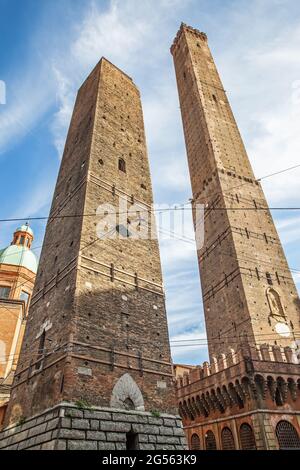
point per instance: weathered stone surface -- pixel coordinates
(43, 437)
(178, 432)
(115, 426)
(120, 446)
(168, 440)
(126, 388)
(80, 423)
(94, 414)
(61, 445)
(52, 424)
(157, 421)
(48, 445)
(169, 422)
(57, 432)
(145, 429)
(73, 413)
(164, 431)
(116, 436)
(131, 418)
(106, 446)
(71, 434)
(82, 445)
(96, 435)
(94, 423)
(147, 446)
(66, 422)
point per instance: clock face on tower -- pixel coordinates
(283, 329)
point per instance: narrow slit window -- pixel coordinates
(122, 165)
(269, 279)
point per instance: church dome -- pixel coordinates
(19, 253)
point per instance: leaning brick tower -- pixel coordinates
(97, 332)
(248, 292)
(248, 397)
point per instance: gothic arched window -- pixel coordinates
(195, 442)
(287, 436)
(247, 437)
(210, 441)
(227, 439)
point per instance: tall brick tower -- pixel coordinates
(248, 291)
(97, 330)
(248, 397)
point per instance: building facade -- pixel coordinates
(18, 266)
(97, 326)
(251, 304)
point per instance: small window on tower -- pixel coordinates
(214, 98)
(122, 165)
(269, 279)
(22, 240)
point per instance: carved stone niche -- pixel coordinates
(127, 395)
(275, 304)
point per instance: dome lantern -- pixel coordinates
(23, 236)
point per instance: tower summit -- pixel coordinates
(248, 292)
(97, 331)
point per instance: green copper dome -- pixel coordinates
(19, 255)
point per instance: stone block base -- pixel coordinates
(66, 427)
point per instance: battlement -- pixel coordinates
(184, 27)
(260, 354)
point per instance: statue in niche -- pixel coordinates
(275, 303)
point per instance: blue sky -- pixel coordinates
(48, 47)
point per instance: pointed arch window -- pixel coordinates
(287, 436)
(195, 442)
(210, 441)
(247, 437)
(227, 439)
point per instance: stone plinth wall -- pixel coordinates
(66, 427)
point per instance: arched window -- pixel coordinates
(122, 165)
(227, 439)
(210, 441)
(247, 437)
(195, 442)
(287, 436)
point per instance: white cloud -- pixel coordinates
(189, 347)
(25, 106)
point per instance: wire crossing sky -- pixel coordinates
(47, 50)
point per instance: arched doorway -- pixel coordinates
(287, 436)
(247, 437)
(210, 441)
(195, 442)
(227, 439)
